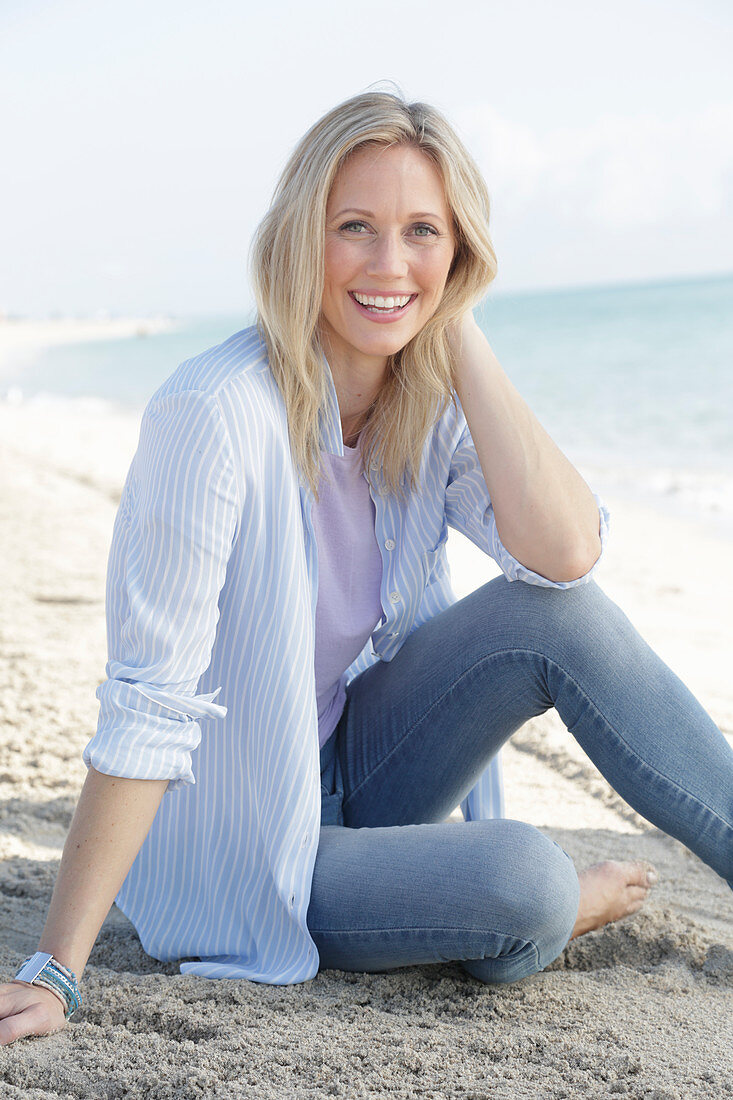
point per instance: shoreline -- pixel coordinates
(669, 493)
(24, 336)
(696, 493)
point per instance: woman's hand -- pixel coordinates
(461, 333)
(28, 1010)
(109, 825)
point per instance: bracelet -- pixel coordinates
(44, 970)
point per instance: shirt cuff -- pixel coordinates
(513, 570)
(147, 732)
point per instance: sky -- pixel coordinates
(142, 139)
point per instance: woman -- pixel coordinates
(280, 543)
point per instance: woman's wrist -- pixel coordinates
(65, 948)
(42, 969)
(465, 324)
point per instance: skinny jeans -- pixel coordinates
(394, 883)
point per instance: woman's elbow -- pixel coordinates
(581, 560)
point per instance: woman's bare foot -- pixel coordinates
(610, 891)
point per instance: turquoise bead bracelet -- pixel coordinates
(42, 969)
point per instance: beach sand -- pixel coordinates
(643, 1008)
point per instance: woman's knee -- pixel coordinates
(553, 604)
(563, 624)
(533, 899)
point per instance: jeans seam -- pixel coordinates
(539, 966)
(442, 928)
(415, 928)
(633, 752)
(445, 928)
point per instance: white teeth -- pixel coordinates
(378, 302)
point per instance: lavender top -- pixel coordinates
(349, 580)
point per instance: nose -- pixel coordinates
(388, 258)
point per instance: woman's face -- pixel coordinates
(388, 250)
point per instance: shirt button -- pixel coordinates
(292, 900)
(395, 597)
(306, 838)
(390, 544)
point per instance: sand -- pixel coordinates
(643, 1008)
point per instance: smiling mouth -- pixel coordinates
(390, 305)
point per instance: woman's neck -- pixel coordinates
(358, 382)
(351, 429)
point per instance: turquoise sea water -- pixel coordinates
(634, 382)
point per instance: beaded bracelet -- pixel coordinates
(42, 969)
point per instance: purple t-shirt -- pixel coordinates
(349, 580)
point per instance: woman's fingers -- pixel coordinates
(28, 1010)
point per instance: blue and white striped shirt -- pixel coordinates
(211, 593)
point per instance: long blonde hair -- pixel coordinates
(287, 270)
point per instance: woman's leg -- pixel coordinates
(417, 731)
(496, 893)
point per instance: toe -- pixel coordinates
(637, 893)
(643, 874)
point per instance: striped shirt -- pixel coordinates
(211, 594)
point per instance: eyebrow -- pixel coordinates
(370, 214)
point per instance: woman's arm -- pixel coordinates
(168, 561)
(110, 823)
(545, 513)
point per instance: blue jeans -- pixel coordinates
(394, 884)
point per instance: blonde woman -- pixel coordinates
(280, 548)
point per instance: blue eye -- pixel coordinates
(423, 230)
(352, 226)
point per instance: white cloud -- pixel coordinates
(619, 172)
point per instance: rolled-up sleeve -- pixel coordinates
(468, 509)
(171, 543)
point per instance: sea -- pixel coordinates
(634, 382)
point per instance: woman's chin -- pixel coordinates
(378, 344)
(385, 344)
